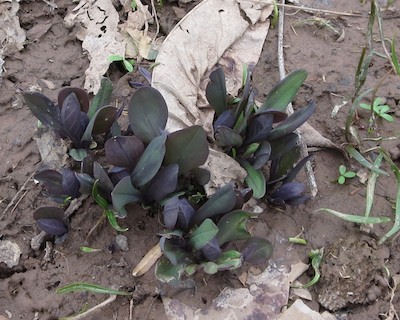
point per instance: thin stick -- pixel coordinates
(281, 65)
(153, 8)
(99, 306)
(339, 13)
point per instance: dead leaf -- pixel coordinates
(299, 292)
(147, 261)
(12, 36)
(313, 138)
(296, 270)
(233, 36)
(300, 311)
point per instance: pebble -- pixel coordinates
(122, 242)
(9, 253)
(394, 153)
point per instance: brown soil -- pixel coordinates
(54, 57)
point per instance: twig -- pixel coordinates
(339, 13)
(153, 8)
(12, 202)
(95, 308)
(281, 65)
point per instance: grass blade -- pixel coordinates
(360, 159)
(89, 287)
(355, 218)
(395, 60)
(371, 187)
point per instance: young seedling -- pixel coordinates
(128, 64)
(344, 174)
(381, 110)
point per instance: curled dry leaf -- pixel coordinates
(233, 36)
(147, 261)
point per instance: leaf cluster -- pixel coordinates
(260, 135)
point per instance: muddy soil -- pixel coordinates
(53, 58)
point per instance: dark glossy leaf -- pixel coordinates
(289, 190)
(285, 91)
(188, 148)
(259, 128)
(44, 110)
(201, 175)
(232, 226)
(81, 95)
(255, 180)
(71, 118)
(116, 174)
(124, 151)
(212, 250)
(216, 91)
(246, 103)
(70, 183)
(185, 214)
(150, 162)
(148, 113)
(86, 183)
(293, 122)
(261, 156)
(220, 202)
(227, 137)
(257, 250)
(226, 119)
(168, 273)
(105, 183)
(102, 98)
(173, 249)
(124, 193)
(51, 220)
(101, 121)
(278, 116)
(145, 73)
(280, 167)
(164, 183)
(203, 234)
(293, 173)
(282, 145)
(170, 212)
(52, 181)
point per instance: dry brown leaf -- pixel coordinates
(147, 261)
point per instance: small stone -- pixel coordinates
(9, 253)
(122, 242)
(394, 153)
(397, 113)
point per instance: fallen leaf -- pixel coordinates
(147, 261)
(296, 270)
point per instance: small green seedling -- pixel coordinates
(381, 110)
(128, 64)
(344, 174)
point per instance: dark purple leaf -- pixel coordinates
(102, 97)
(239, 200)
(261, 156)
(293, 173)
(170, 212)
(226, 119)
(101, 122)
(283, 145)
(52, 181)
(163, 183)
(105, 185)
(124, 193)
(51, 220)
(86, 183)
(87, 165)
(70, 183)
(297, 200)
(212, 250)
(150, 162)
(185, 214)
(145, 73)
(289, 190)
(247, 100)
(124, 151)
(71, 118)
(45, 110)
(258, 128)
(216, 91)
(220, 202)
(81, 95)
(116, 174)
(174, 250)
(281, 166)
(279, 116)
(257, 250)
(201, 175)
(188, 148)
(227, 137)
(148, 113)
(293, 122)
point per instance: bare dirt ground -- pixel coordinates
(53, 58)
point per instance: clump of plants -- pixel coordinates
(201, 239)
(262, 138)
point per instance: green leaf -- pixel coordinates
(387, 117)
(93, 288)
(342, 169)
(103, 203)
(293, 122)
(227, 137)
(255, 180)
(101, 121)
(102, 98)
(216, 91)
(232, 226)
(341, 180)
(395, 60)
(362, 69)
(128, 66)
(358, 156)
(88, 249)
(115, 57)
(220, 202)
(188, 148)
(113, 221)
(203, 234)
(77, 154)
(168, 273)
(283, 145)
(147, 113)
(150, 162)
(124, 192)
(257, 250)
(355, 218)
(285, 91)
(350, 174)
